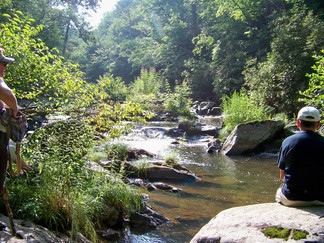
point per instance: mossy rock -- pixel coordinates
(284, 233)
(276, 232)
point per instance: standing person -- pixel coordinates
(301, 163)
(7, 98)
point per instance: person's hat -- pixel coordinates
(309, 113)
(5, 59)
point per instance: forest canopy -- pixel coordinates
(216, 47)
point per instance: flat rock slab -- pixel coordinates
(26, 232)
(245, 224)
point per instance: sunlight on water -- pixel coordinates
(224, 182)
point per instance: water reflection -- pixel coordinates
(225, 182)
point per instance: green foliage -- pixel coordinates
(96, 156)
(179, 101)
(111, 89)
(109, 118)
(67, 141)
(172, 160)
(240, 108)
(284, 233)
(39, 75)
(142, 166)
(299, 234)
(145, 88)
(199, 78)
(276, 81)
(62, 194)
(314, 94)
(116, 151)
(277, 232)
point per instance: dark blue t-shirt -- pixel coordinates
(301, 156)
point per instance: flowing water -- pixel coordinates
(225, 182)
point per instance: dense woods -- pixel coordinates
(265, 55)
(217, 47)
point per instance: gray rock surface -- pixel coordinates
(245, 224)
(248, 136)
(27, 232)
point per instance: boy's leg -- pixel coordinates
(280, 198)
(3, 159)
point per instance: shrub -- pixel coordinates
(146, 88)
(61, 193)
(240, 108)
(179, 101)
(111, 89)
(314, 95)
(117, 151)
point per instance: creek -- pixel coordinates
(225, 182)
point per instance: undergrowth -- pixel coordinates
(60, 193)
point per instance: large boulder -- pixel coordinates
(248, 224)
(247, 137)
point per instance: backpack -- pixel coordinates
(17, 128)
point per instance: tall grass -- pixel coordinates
(240, 108)
(61, 193)
(145, 88)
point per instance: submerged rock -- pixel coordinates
(147, 218)
(247, 223)
(157, 172)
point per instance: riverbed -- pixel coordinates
(225, 182)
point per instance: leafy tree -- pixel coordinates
(276, 81)
(64, 20)
(39, 75)
(230, 32)
(42, 78)
(314, 94)
(145, 34)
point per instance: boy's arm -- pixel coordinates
(8, 97)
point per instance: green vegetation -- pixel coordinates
(179, 101)
(276, 232)
(64, 195)
(41, 76)
(284, 233)
(145, 89)
(117, 152)
(142, 165)
(299, 234)
(215, 47)
(144, 55)
(240, 108)
(172, 160)
(314, 95)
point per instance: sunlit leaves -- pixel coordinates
(314, 95)
(39, 74)
(277, 80)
